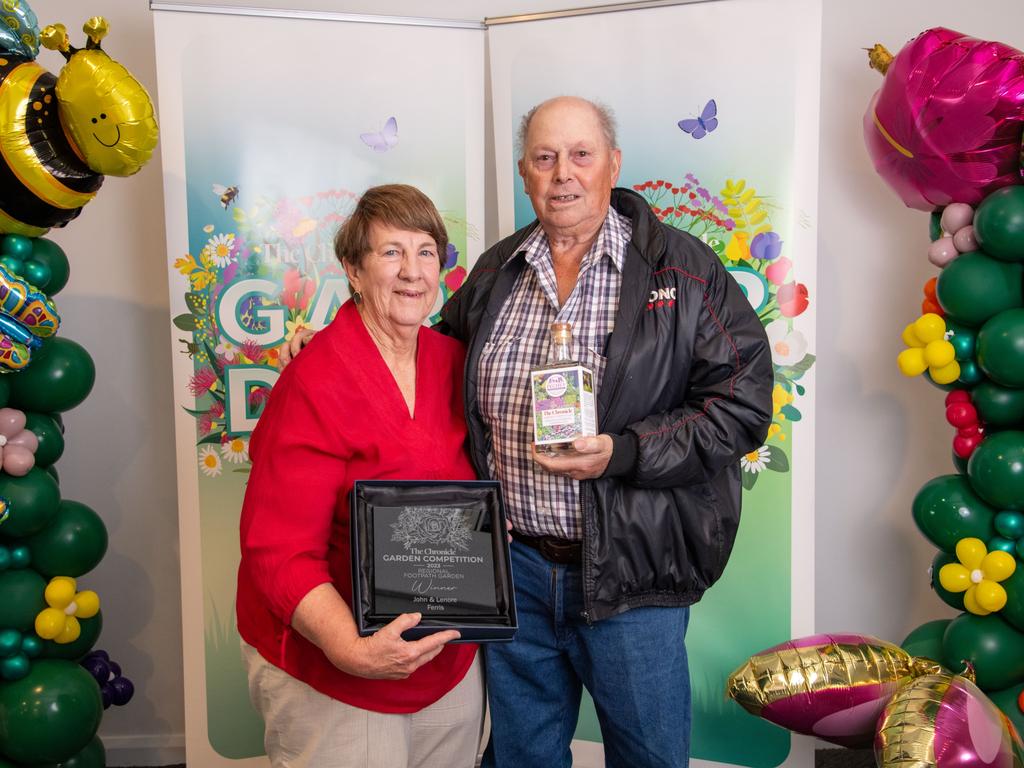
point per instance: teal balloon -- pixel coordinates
(994, 648)
(1010, 524)
(997, 405)
(50, 436)
(22, 592)
(999, 224)
(952, 599)
(50, 255)
(51, 714)
(59, 377)
(93, 756)
(963, 340)
(1009, 546)
(36, 273)
(974, 287)
(21, 557)
(996, 470)
(72, 544)
(970, 374)
(10, 642)
(32, 645)
(935, 226)
(1007, 701)
(926, 640)
(16, 245)
(75, 650)
(1001, 348)
(33, 502)
(12, 264)
(947, 509)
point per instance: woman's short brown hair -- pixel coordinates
(396, 205)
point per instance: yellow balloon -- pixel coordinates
(911, 362)
(929, 327)
(50, 623)
(947, 374)
(71, 632)
(939, 353)
(971, 604)
(60, 591)
(954, 577)
(990, 596)
(998, 566)
(910, 338)
(971, 552)
(88, 604)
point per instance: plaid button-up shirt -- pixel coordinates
(540, 503)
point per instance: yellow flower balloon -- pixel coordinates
(977, 575)
(59, 622)
(928, 350)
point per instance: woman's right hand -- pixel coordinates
(290, 349)
(384, 655)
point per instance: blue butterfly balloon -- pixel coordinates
(385, 139)
(699, 127)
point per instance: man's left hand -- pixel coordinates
(591, 456)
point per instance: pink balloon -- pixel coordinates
(942, 251)
(27, 439)
(18, 460)
(964, 240)
(946, 124)
(12, 421)
(956, 217)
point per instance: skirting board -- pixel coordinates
(145, 749)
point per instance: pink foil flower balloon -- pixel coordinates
(17, 444)
(946, 124)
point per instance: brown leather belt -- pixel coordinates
(561, 551)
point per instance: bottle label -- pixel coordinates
(564, 406)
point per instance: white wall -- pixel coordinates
(880, 437)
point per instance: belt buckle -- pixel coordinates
(557, 552)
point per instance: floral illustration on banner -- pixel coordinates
(255, 278)
(736, 223)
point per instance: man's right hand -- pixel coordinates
(384, 655)
(290, 349)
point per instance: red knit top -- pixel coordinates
(336, 415)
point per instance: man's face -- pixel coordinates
(568, 169)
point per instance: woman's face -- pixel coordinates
(398, 278)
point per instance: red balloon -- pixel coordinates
(961, 415)
(945, 127)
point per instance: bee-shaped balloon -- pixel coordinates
(60, 135)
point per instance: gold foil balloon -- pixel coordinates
(830, 686)
(945, 721)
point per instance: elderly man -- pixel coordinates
(613, 542)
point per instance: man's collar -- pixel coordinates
(611, 240)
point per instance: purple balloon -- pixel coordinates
(98, 668)
(965, 240)
(115, 669)
(122, 690)
(942, 251)
(107, 695)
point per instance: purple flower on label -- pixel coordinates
(451, 256)
(767, 246)
(692, 179)
(703, 193)
(719, 205)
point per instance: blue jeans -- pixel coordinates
(633, 665)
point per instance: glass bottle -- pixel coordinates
(564, 405)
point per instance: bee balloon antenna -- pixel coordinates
(55, 37)
(96, 28)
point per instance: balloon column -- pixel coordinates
(57, 136)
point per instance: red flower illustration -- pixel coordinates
(792, 298)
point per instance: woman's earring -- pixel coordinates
(357, 297)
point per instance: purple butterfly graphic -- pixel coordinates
(699, 127)
(383, 140)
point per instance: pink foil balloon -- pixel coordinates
(17, 444)
(946, 124)
(964, 240)
(956, 216)
(942, 251)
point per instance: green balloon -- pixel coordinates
(51, 437)
(73, 651)
(12, 264)
(1008, 701)
(999, 224)
(16, 245)
(997, 405)
(1001, 348)
(72, 544)
(36, 273)
(49, 254)
(93, 756)
(947, 509)
(5, 391)
(33, 502)
(953, 599)
(974, 287)
(926, 640)
(59, 377)
(51, 714)
(23, 599)
(1010, 524)
(959, 464)
(970, 374)
(996, 470)
(52, 472)
(1009, 546)
(935, 226)
(1013, 611)
(963, 340)
(994, 648)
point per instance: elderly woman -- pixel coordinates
(376, 396)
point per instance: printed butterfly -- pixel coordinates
(699, 127)
(385, 139)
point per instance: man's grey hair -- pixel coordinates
(605, 116)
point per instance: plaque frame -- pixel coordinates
(368, 494)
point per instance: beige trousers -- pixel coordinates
(306, 729)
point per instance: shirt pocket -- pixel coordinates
(596, 362)
(499, 363)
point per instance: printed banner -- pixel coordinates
(271, 129)
(717, 110)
